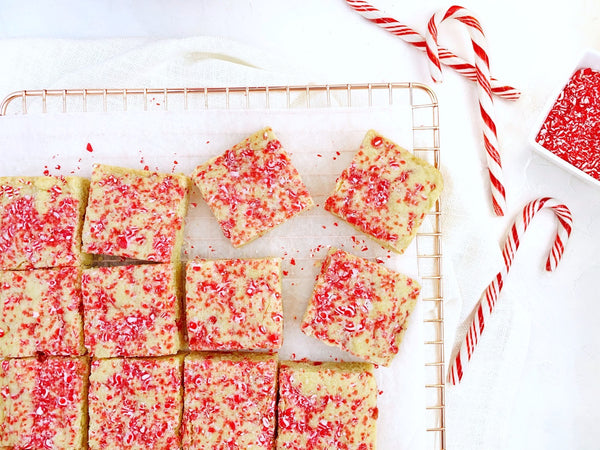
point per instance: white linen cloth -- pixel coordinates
(533, 380)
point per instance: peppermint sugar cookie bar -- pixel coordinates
(385, 192)
(136, 214)
(40, 312)
(360, 306)
(43, 403)
(234, 304)
(131, 310)
(135, 403)
(40, 221)
(229, 401)
(326, 405)
(252, 187)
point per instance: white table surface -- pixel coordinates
(534, 381)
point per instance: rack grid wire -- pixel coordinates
(426, 144)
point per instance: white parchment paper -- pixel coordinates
(321, 143)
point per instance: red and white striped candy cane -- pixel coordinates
(486, 101)
(415, 39)
(485, 306)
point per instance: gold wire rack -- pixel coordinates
(425, 132)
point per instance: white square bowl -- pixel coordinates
(589, 59)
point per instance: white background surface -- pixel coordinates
(533, 382)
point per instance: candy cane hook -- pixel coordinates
(486, 101)
(486, 303)
(415, 39)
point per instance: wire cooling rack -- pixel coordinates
(425, 132)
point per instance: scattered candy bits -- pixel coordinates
(572, 129)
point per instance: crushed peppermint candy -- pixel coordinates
(572, 128)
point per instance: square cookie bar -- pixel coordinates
(229, 401)
(135, 403)
(252, 187)
(360, 306)
(135, 213)
(327, 405)
(40, 311)
(234, 304)
(385, 192)
(40, 221)
(43, 403)
(131, 310)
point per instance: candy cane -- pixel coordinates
(485, 306)
(415, 39)
(486, 101)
